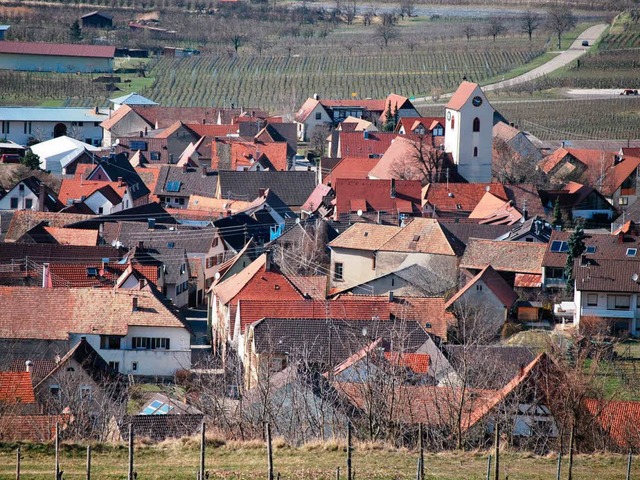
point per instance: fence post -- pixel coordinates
(88, 462)
(130, 475)
(496, 473)
(202, 450)
(571, 440)
(489, 467)
(559, 468)
(18, 463)
(348, 450)
(269, 452)
(57, 447)
(629, 460)
(338, 473)
(421, 449)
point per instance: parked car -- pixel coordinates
(585, 43)
(9, 158)
(629, 91)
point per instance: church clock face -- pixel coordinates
(476, 101)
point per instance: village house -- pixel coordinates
(24, 125)
(56, 57)
(30, 194)
(97, 19)
(138, 334)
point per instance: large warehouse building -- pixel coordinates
(56, 57)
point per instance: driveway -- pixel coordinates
(576, 50)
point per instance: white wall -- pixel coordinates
(305, 130)
(54, 63)
(44, 131)
(357, 266)
(150, 362)
(96, 201)
(22, 196)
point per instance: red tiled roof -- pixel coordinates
(149, 175)
(58, 49)
(315, 199)
(30, 428)
(494, 282)
(252, 310)
(462, 94)
(417, 362)
(424, 235)
(16, 388)
(518, 257)
(527, 280)
(75, 275)
(355, 144)
(213, 130)
(411, 123)
(246, 153)
(115, 117)
(365, 236)
(73, 236)
(25, 220)
(619, 419)
(79, 310)
(306, 109)
(446, 197)
(76, 188)
(351, 167)
(377, 194)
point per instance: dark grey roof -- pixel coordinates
(236, 230)
(295, 232)
(466, 229)
(171, 258)
(488, 366)
(191, 181)
(309, 338)
(98, 13)
(536, 226)
(46, 252)
(136, 214)
(5, 220)
(160, 427)
(118, 166)
(193, 239)
(292, 187)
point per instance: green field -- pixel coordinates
(179, 459)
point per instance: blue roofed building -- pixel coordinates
(24, 125)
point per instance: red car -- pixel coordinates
(10, 158)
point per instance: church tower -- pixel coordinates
(469, 132)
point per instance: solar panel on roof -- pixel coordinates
(138, 145)
(173, 186)
(556, 245)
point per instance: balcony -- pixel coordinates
(555, 282)
(605, 313)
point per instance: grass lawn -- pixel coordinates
(179, 459)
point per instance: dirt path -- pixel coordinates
(575, 51)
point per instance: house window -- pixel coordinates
(55, 390)
(134, 366)
(14, 203)
(100, 210)
(623, 201)
(146, 343)
(337, 272)
(476, 124)
(96, 124)
(318, 116)
(183, 268)
(618, 302)
(155, 156)
(110, 342)
(475, 151)
(28, 203)
(27, 127)
(453, 122)
(592, 300)
(115, 366)
(631, 252)
(479, 288)
(373, 262)
(85, 393)
(179, 289)
(214, 243)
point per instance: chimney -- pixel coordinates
(146, 131)
(141, 133)
(141, 245)
(41, 197)
(621, 237)
(261, 192)
(184, 168)
(204, 121)
(267, 262)
(28, 366)
(120, 182)
(391, 296)
(96, 110)
(203, 172)
(365, 134)
(142, 283)
(229, 213)
(134, 301)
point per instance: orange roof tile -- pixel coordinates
(246, 153)
(30, 428)
(619, 419)
(518, 257)
(351, 167)
(79, 310)
(65, 275)
(446, 197)
(417, 362)
(73, 236)
(462, 94)
(16, 387)
(25, 220)
(423, 235)
(77, 187)
(365, 236)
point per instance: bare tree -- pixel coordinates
(367, 17)
(408, 8)
(423, 162)
(468, 31)
(530, 22)
(560, 20)
(318, 139)
(509, 166)
(350, 12)
(386, 31)
(495, 28)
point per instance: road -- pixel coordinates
(575, 51)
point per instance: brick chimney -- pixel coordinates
(28, 366)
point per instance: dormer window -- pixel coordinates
(631, 252)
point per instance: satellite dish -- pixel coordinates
(297, 220)
(217, 275)
(635, 277)
(487, 188)
(359, 213)
(364, 331)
